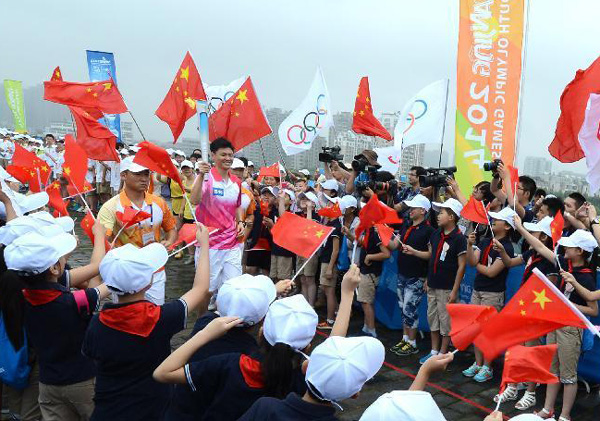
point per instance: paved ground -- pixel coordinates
(458, 397)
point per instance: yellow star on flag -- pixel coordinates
(57, 73)
(237, 114)
(521, 302)
(177, 88)
(319, 233)
(185, 73)
(89, 89)
(67, 170)
(242, 96)
(184, 93)
(523, 312)
(107, 86)
(95, 95)
(541, 299)
(45, 168)
(368, 99)
(361, 112)
(190, 102)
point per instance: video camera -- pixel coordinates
(330, 154)
(492, 166)
(436, 177)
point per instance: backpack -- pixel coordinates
(165, 190)
(14, 367)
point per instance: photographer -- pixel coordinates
(334, 168)
(410, 191)
(525, 190)
(361, 165)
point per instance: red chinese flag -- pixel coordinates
(240, 119)
(537, 308)
(86, 188)
(264, 208)
(186, 234)
(556, 227)
(272, 171)
(86, 225)
(75, 165)
(330, 212)
(26, 176)
(158, 160)
(132, 216)
(299, 235)
(466, 320)
(180, 103)
(96, 139)
(385, 233)
(23, 158)
(364, 121)
(103, 95)
(56, 201)
(375, 212)
(529, 364)
(56, 75)
(573, 101)
(514, 178)
(474, 211)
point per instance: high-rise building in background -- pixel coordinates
(60, 128)
(127, 132)
(535, 166)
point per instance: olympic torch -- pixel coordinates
(201, 106)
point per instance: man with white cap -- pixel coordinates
(129, 338)
(447, 263)
(218, 194)
(490, 282)
(135, 195)
(413, 243)
(56, 318)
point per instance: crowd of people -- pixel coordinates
(94, 342)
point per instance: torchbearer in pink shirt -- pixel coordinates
(218, 196)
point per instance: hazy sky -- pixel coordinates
(402, 45)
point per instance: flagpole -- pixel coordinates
(183, 248)
(444, 125)
(83, 199)
(135, 121)
(311, 256)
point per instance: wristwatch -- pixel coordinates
(595, 221)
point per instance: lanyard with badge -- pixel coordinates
(147, 231)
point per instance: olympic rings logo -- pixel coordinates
(215, 102)
(312, 121)
(420, 111)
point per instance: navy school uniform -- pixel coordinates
(443, 264)
(372, 246)
(416, 236)
(231, 383)
(128, 341)
(487, 256)
(585, 276)
(532, 261)
(56, 326)
(292, 408)
(186, 403)
(327, 248)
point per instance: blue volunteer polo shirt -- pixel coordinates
(186, 403)
(416, 236)
(127, 342)
(292, 408)
(443, 264)
(56, 327)
(231, 383)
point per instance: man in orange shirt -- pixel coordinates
(136, 180)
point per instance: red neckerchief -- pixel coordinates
(438, 252)
(486, 254)
(251, 371)
(529, 268)
(38, 297)
(411, 229)
(572, 270)
(138, 318)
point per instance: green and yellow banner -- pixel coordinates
(490, 45)
(13, 90)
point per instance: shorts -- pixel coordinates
(410, 293)
(259, 259)
(564, 364)
(328, 282)
(311, 267)
(67, 402)
(224, 264)
(485, 298)
(365, 293)
(281, 267)
(437, 314)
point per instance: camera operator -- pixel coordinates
(525, 190)
(409, 192)
(382, 183)
(334, 168)
(363, 162)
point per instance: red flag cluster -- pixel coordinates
(272, 171)
(103, 95)
(56, 201)
(474, 211)
(75, 165)
(375, 212)
(131, 216)
(330, 212)
(158, 160)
